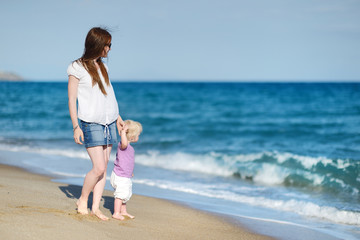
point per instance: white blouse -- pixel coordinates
(93, 105)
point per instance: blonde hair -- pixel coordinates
(134, 128)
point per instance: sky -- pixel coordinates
(186, 40)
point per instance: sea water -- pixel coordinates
(270, 155)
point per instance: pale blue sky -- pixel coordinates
(221, 40)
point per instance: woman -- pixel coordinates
(98, 112)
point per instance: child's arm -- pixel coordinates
(124, 140)
(119, 123)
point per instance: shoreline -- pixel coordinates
(43, 209)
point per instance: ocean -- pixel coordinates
(276, 157)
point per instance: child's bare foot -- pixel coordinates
(118, 216)
(128, 215)
(82, 207)
(100, 215)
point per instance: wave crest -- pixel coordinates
(268, 168)
(265, 168)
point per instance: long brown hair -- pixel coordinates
(96, 39)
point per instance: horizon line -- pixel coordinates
(198, 81)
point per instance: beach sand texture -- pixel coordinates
(34, 207)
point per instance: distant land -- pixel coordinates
(9, 76)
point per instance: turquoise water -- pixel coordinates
(287, 151)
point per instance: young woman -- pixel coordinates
(97, 111)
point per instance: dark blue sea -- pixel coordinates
(270, 155)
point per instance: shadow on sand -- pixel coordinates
(74, 192)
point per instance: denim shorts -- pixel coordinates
(98, 135)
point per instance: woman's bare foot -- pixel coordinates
(128, 215)
(118, 216)
(100, 215)
(82, 207)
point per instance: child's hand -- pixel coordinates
(124, 140)
(125, 127)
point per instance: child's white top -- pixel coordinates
(93, 105)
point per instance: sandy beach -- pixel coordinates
(34, 207)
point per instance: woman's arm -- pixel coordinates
(72, 94)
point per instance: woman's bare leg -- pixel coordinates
(92, 178)
(99, 186)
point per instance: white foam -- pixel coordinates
(341, 164)
(226, 165)
(184, 162)
(66, 174)
(270, 174)
(316, 179)
(219, 164)
(306, 161)
(71, 153)
(304, 208)
(244, 157)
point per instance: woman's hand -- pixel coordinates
(120, 124)
(78, 136)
